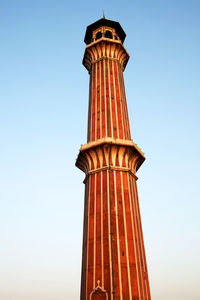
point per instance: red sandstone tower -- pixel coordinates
(113, 263)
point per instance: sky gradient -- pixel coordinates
(43, 122)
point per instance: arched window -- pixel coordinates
(108, 34)
(98, 35)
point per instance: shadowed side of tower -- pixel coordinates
(113, 262)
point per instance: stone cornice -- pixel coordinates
(108, 140)
(105, 48)
(112, 154)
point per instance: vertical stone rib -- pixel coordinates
(125, 106)
(89, 110)
(113, 124)
(102, 240)
(95, 99)
(126, 241)
(85, 243)
(106, 241)
(136, 286)
(137, 239)
(109, 99)
(105, 99)
(110, 237)
(98, 103)
(120, 100)
(116, 244)
(100, 106)
(90, 107)
(123, 257)
(90, 260)
(98, 230)
(93, 104)
(103, 133)
(122, 103)
(85, 279)
(142, 246)
(115, 101)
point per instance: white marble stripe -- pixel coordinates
(123, 103)
(121, 99)
(136, 228)
(140, 229)
(109, 235)
(94, 254)
(102, 252)
(141, 233)
(111, 119)
(126, 242)
(115, 99)
(95, 101)
(91, 101)
(105, 99)
(147, 294)
(88, 216)
(117, 233)
(89, 110)
(100, 66)
(125, 106)
(126, 109)
(134, 237)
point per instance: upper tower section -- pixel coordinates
(109, 36)
(105, 59)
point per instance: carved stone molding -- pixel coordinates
(108, 153)
(105, 49)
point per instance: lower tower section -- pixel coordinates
(113, 263)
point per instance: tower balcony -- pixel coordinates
(109, 153)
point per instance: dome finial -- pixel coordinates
(103, 14)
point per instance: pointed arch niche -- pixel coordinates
(98, 293)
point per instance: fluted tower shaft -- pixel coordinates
(108, 114)
(113, 262)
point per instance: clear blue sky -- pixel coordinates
(43, 119)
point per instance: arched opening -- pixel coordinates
(108, 34)
(98, 35)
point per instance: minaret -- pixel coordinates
(113, 262)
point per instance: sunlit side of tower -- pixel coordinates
(113, 262)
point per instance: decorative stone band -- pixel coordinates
(113, 168)
(105, 49)
(112, 154)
